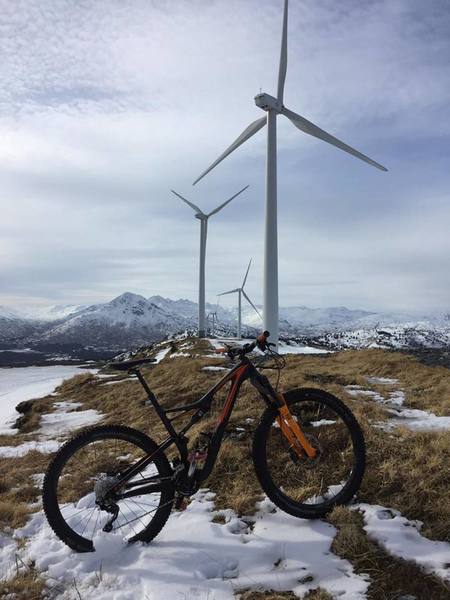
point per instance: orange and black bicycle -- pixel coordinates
(308, 453)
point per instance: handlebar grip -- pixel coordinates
(261, 340)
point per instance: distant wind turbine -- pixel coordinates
(240, 291)
(274, 107)
(203, 217)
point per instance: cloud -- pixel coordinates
(105, 106)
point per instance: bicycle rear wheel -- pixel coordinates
(303, 487)
(75, 489)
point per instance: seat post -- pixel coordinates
(144, 384)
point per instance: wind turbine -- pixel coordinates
(203, 218)
(274, 107)
(241, 292)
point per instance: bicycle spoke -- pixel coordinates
(147, 513)
(88, 521)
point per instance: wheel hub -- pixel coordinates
(102, 487)
(305, 461)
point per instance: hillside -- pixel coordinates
(230, 541)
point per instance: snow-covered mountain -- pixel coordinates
(55, 312)
(131, 320)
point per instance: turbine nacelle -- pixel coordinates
(268, 102)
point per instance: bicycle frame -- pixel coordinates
(241, 372)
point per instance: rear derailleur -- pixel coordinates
(106, 501)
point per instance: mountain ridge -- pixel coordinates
(132, 319)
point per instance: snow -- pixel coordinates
(161, 354)
(213, 368)
(356, 390)
(418, 420)
(401, 538)
(22, 449)
(284, 348)
(116, 381)
(412, 418)
(194, 557)
(25, 383)
(64, 420)
(382, 380)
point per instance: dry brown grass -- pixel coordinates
(407, 471)
(17, 488)
(26, 584)
(389, 577)
(426, 387)
(24, 587)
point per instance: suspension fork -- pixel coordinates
(290, 428)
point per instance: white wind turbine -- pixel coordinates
(203, 218)
(274, 107)
(241, 292)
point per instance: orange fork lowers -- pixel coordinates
(292, 432)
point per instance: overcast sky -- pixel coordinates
(106, 105)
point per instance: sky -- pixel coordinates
(107, 105)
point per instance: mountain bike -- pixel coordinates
(308, 454)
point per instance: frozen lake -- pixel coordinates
(26, 383)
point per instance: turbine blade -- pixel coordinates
(283, 55)
(250, 302)
(308, 127)
(245, 135)
(230, 292)
(191, 204)
(248, 269)
(216, 210)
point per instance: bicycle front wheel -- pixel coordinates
(76, 496)
(303, 487)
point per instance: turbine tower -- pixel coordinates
(203, 218)
(240, 291)
(274, 107)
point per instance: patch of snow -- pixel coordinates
(161, 355)
(26, 383)
(8, 550)
(22, 449)
(21, 351)
(177, 354)
(322, 422)
(356, 390)
(412, 418)
(194, 557)
(382, 380)
(214, 368)
(116, 381)
(401, 538)
(284, 348)
(64, 420)
(416, 420)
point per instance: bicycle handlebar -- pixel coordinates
(261, 342)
